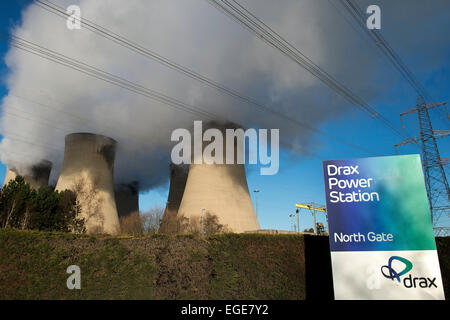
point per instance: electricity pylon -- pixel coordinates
(438, 191)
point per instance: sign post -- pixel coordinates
(381, 236)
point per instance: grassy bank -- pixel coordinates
(247, 266)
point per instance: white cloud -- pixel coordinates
(193, 34)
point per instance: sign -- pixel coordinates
(381, 236)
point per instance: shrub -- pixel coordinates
(151, 220)
(207, 225)
(131, 224)
(22, 207)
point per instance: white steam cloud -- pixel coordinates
(46, 101)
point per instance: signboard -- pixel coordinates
(381, 236)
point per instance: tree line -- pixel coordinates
(43, 209)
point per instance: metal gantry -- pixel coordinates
(313, 207)
(438, 191)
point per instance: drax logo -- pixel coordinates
(408, 282)
(394, 274)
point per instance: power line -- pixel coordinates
(51, 7)
(122, 41)
(244, 17)
(84, 120)
(438, 190)
(355, 28)
(23, 139)
(44, 105)
(50, 124)
(35, 118)
(47, 123)
(108, 77)
(387, 50)
(84, 68)
(376, 36)
(64, 60)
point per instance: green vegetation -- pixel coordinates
(33, 266)
(22, 207)
(256, 266)
(228, 266)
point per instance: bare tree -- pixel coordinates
(194, 226)
(151, 220)
(88, 202)
(131, 224)
(10, 214)
(172, 223)
(208, 225)
(177, 224)
(212, 225)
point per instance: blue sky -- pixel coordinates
(300, 179)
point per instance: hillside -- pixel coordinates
(231, 266)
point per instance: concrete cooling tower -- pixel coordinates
(127, 199)
(11, 174)
(178, 178)
(37, 176)
(87, 169)
(221, 190)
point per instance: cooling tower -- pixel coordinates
(11, 174)
(37, 176)
(87, 169)
(178, 177)
(127, 199)
(221, 190)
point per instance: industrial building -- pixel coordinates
(127, 198)
(88, 169)
(220, 190)
(195, 190)
(178, 178)
(36, 176)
